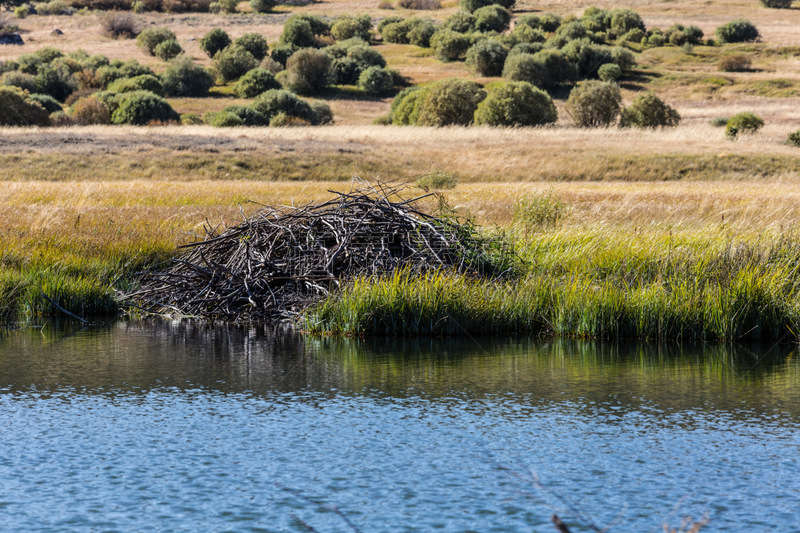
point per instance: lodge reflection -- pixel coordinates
(144, 355)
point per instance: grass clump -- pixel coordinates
(734, 63)
(534, 212)
(437, 179)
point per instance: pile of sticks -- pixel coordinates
(280, 260)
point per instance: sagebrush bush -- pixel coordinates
(634, 36)
(559, 68)
(19, 80)
(451, 101)
(487, 57)
(437, 179)
(227, 6)
(54, 7)
(777, 4)
(366, 56)
(48, 54)
(470, 6)
(587, 56)
(525, 48)
(255, 44)
(719, 122)
(277, 101)
(301, 31)
(609, 72)
(594, 104)
(734, 63)
(525, 67)
(119, 25)
(322, 113)
(307, 71)
(184, 78)
(255, 82)
(347, 27)
(420, 5)
(249, 116)
(794, 139)
(58, 83)
(534, 212)
(375, 81)
(141, 107)
(448, 45)
(21, 12)
(191, 119)
(344, 71)
(460, 22)
(526, 34)
(168, 50)
(492, 18)
(150, 38)
(233, 62)
(737, 31)
(622, 57)
(263, 6)
(421, 34)
(214, 41)
(746, 122)
(225, 120)
(49, 103)
(91, 110)
(402, 118)
(649, 111)
(145, 82)
(17, 109)
(572, 30)
(281, 53)
(516, 104)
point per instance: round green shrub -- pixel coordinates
(470, 6)
(307, 71)
(184, 78)
(255, 44)
(451, 101)
(20, 80)
(255, 82)
(58, 83)
(214, 41)
(150, 38)
(525, 48)
(67, 63)
(794, 139)
(596, 19)
(388, 20)
(746, 122)
(375, 81)
(191, 119)
(516, 104)
(322, 113)
(406, 105)
(559, 68)
(344, 71)
(145, 82)
(29, 63)
(21, 12)
(142, 107)
(594, 104)
(572, 30)
(487, 58)
(719, 122)
(347, 27)
(525, 67)
(634, 36)
(49, 103)
(249, 116)
(366, 56)
(492, 18)
(168, 50)
(625, 20)
(448, 45)
(549, 22)
(234, 62)
(609, 72)
(48, 54)
(277, 101)
(228, 6)
(649, 111)
(460, 22)
(526, 34)
(281, 53)
(623, 58)
(587, 56)
(17, 109)
(263, 6)
(301, 30)
(226, 120)
(656, 40)
(421, 34)
(737, 31)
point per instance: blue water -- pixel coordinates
(168, 426)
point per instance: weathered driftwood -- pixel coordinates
(280, 260)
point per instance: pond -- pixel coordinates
(171, 426)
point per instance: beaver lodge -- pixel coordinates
(281, 260)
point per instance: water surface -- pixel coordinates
(172, 426)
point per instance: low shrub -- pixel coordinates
(460, 22)
(249, 116)
(534, 212)
(344, 71)
(572, 31)
(348, 27)
(49, 103)
(376, 81)
(226, 120)
(91, 110)
(271, 65)
(734, 63)
(54, 8)
(255, 82)
(649, 111)
(487, 57)
(516, 104)
(525, 48)
(150, 38)
(526, 34)
(560, 69)
(281, 53)
(625, 20)
(233, 62)
(21, 12)
(525, 67)
(141, 107)
(253, 43)
(609, 72)
(719, 122)
(48, 54)
(366, 56)
(322, 113)
(421, 34)
(227, 6)
(470, 6)
(492, 18)
(588, 57)
(191, 119)
(58, 83)
(119, 25)
(746, 122)
(17, 109)
(622, 57)
(184, 78)
(594, 104)
(634, 36)
(302, 31)
(448, 45)
(420, 5)
(307, 71)
(794, 139)
(737, 31)
(275, 101)
(451, 101)
(20, 80)
(214, 41)
(145, 82)
(263, 6)
(437, 179)
(777, 4)
(168, 50)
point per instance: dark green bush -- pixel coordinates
(794, 139)
(150, 38)
(49, 103)
(145, 82)
(281, 54)
(307, 71)
(388, 20)
(516, 104)
(448, 45)
(214, 41)
(777, 4)
(623, 58)
(255, 82)
(572, 30)
(525, 48)
(587, 56)
(48, 54)
(322, 113)
(168, 50)
(745, 122)
(255, 44)
(737, 31)
(609, 72)
(366, 56)
(470, 6)
(596, 19)
(492, 18)
(525, 67)
(460, 22)
(594, 104)
(347, 27)
(19, 80)
(376, 81)
(225, 120)
(559, 68)
(451, 101)
(301, 31)
(17, 109)
(634, 36)
(234, 62)
(648, 111)
(140, 108)
(487, 57)
(405, 106)
(184, 78)
(549, 22)
(625, 20)
(29, 63)
(526, 34)
(421, 34)
(277, 101)
(263, 6)
(191, 119)
(58, 83)
(344, 71)
(249, 116)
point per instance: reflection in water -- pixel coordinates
(182, 426)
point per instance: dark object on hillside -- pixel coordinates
(56, 32)
(281, 260)
(10, 38)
